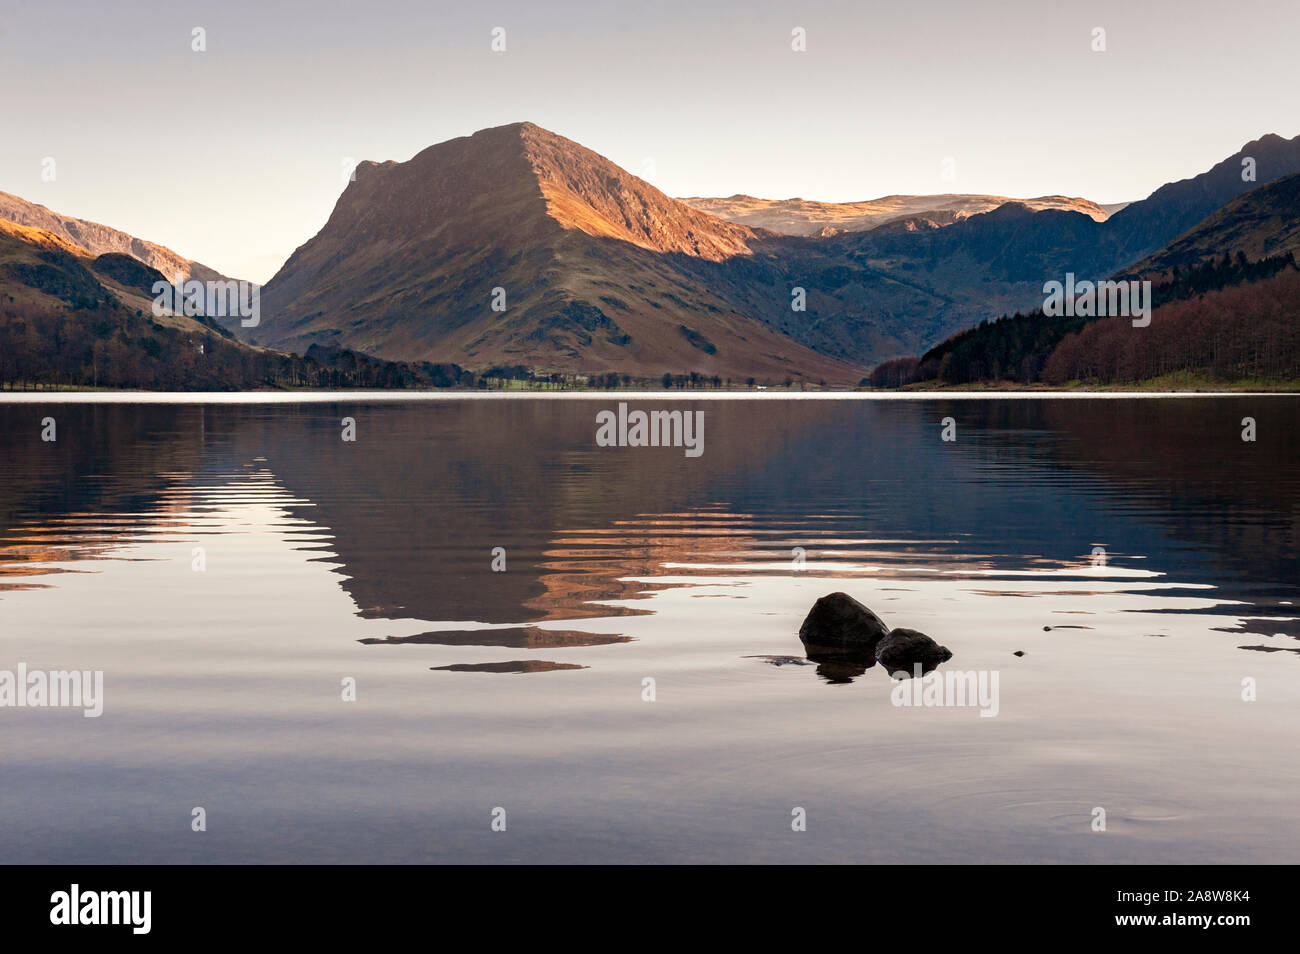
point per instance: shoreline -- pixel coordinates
(381, 396)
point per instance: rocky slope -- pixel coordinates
(70, 317)
(100, 239)
(41, 268)
(1147, 226)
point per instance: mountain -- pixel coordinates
(1017, 244)
(100, 239)
(600, 272)
(1261, 223)
(805, 217)
(604, 273)
(1143, 228)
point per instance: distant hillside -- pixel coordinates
(808, 217)
(100, 239)
(1262, 223)
(909, 284)
(38, 267)
(1143, 228)
(1019, 347)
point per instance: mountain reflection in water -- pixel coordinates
(227, 565)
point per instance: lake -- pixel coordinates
(472, 616)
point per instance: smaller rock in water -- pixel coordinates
(904, 649)
(840, 625)
(1018, 652)
(782, 660)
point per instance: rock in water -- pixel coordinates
(903, 649)
(839, 625)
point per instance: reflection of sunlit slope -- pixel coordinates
(107, 459)
(33, 559)
(37, 548)
(586, 569)
(253, 527)
(613, 571)
(238, 538)
(182, 507)
(418, 503)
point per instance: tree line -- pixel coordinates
(96, 343)
(102, 345)
(1248, 332)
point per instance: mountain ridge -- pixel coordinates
(798, 216)
(99, 239)
(1255, 224)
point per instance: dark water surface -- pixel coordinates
(525, 689)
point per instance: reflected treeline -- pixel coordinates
(106, 457)
(109, 472)
(1227, 507)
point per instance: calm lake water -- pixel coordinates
(524, 690)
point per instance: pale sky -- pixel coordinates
(234, 156)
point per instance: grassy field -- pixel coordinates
(1185, 381)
